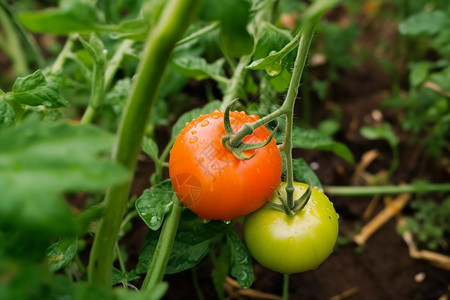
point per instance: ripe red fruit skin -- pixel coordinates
(210, 180)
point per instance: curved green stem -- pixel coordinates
(288, 105)
(63, 54)
(97, 91)
(236, 81)
(304, 36)
(198, 33)
(419, 188)
(174, 20)
(157, 267)
(116, 60)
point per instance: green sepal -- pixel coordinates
(300, 203)
(238, 147)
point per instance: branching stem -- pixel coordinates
(174, 20)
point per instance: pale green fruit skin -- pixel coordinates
(293, 244)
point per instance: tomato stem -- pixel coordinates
(171, 25)
(157, 267)
(304, 37)
(418, 188)
(95, 49)
(236, 82)
(285, 295)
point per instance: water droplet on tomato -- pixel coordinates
(291, 239)
(275, 222)
(216, 116)
(193, 139)
(195, 131)
(201, 159)
(204, 123)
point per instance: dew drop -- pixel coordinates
(275, 222)
(195, 131)
(216, 116)
(291, 239)
(201, 159)
(204, 123)
(193, 139)
(227, 222)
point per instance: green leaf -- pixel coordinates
(233, 16)
(155, 203)
(313, 139)
(221, 270)
(135, 29)
(40, 161)
(198, 68)
(271, 39)
(35, 90)
(119, 276)
(419, 73)
(24, 279)
(280, 82)
(61, 253)
(304, 173)
(150, 147)
(191, 115)
(193, 241)
(384, 131)
(428, 22)
(7, 115)
(71, 16)
(442, 78)
(273, 63)
(241, 260)
(158, 292)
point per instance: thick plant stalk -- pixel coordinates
(172, 23)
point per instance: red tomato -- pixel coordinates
(210, 180)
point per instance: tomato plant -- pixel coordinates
(293, 243)
(210, 180)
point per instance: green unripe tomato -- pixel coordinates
(293, 244)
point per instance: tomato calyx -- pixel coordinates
(297, 205)
(233, 141)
